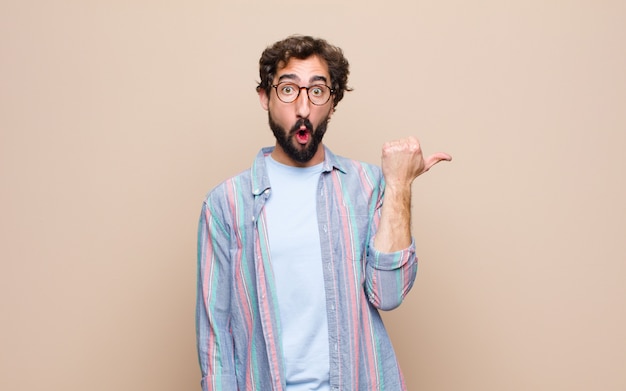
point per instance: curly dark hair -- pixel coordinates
(302, 47)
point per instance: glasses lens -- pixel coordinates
(319, 94)
(287, 92)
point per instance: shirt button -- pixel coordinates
(325, 228)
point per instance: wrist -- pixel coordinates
(397, 188)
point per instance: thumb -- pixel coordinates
(436, 158)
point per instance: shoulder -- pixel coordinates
(230, 188)
(359, 170)
(244, 185)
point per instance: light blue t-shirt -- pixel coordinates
(297, 265)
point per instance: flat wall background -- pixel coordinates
(116, 117)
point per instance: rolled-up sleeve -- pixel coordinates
(389, 276)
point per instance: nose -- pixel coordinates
(303, 105)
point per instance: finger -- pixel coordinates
(436, 158)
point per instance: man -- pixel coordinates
(297, 255)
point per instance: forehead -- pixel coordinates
(308, 69)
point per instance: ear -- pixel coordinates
(264, 98)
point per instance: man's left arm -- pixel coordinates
(402, 162)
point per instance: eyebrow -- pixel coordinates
(291, 76)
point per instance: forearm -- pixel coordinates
(394, 229)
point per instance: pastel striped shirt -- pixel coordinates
(237, 320)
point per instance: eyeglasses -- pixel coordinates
(318, 94)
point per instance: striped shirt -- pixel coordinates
(237, 320)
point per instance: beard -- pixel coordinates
(298, 153)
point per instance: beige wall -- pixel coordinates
(116, 117)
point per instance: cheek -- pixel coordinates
(321, 115)
(280, 116)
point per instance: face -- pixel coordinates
(299, 126)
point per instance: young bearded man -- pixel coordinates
(297, 255)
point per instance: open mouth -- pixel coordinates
(303, 135)
(303, 131)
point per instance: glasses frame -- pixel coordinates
(332, 92)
